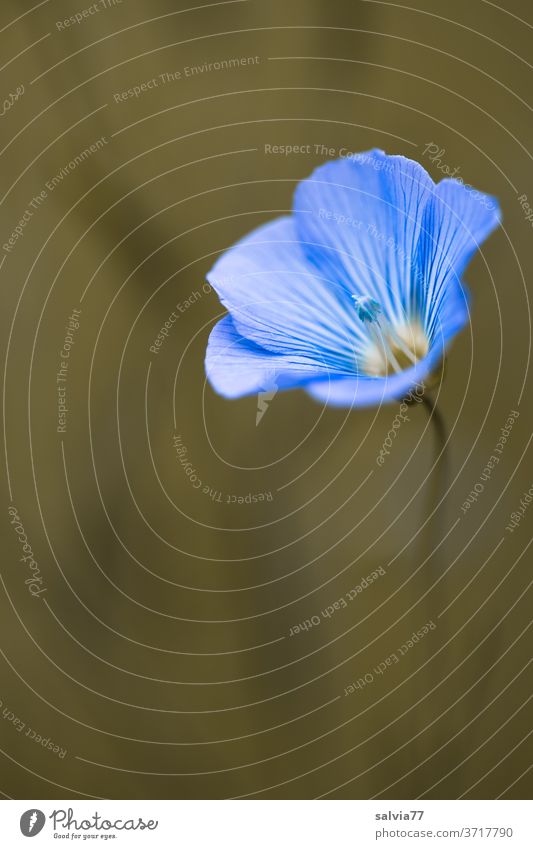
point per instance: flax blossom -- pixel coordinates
(356, 295)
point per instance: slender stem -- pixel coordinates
(439, 479)
(434, 548)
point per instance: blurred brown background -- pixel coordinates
(159, 661)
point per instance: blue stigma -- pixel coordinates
(367, 308)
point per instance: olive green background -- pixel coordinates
(159, 656)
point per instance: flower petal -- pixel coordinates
(236, 366)
(366, 391)
(456, 221)
(370, 225)
(281, 302)
(359, 219)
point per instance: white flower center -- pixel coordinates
(393, 348)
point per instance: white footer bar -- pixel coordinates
(268, 824)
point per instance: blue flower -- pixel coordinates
(355, 296)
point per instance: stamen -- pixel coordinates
(389, 349)
(401, 344)
(389, 353)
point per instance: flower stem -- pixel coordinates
(438, 483)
